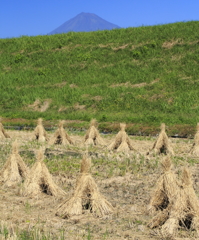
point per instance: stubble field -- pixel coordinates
(126, 180)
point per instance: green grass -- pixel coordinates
(145, 75)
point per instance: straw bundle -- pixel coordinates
(185, 209)
(195, 147)
(165, 192)
(162, 144)
(39, 132)
(14, 170)
(182, 208)
(86, 196)
(60, 136)
(122, 141)
(39, 180)
(92, 136)
(3, 133)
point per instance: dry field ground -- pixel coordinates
(125, 179)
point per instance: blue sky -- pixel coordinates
(39, 17)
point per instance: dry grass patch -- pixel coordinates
(156, 97)
(86, 96)
(73, 85)
(138, 85)
(120, 47)
(60, 85)
(126, 84)
(62, 108)
(40, 106)
(170, 44)
(97, 98)
(177, 57)
(105, 45)
(107, 65)
(7, 68)
(77, 106)
(138, 45)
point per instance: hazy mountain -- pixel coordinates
(84, 22)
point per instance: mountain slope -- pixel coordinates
(84, 22)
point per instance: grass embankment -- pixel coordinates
(144, 76)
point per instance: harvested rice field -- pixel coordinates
(125, 179)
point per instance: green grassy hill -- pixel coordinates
(144, 75)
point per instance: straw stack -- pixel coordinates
(162, 144)
(15, 170)
(60, 136)
(122, 142)
(92, 136)
(185, 208)
(3, 133)
(39, 132)
(195, 147)
(167, 189)
(39, 180)
(174, 202)
(85, 197)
